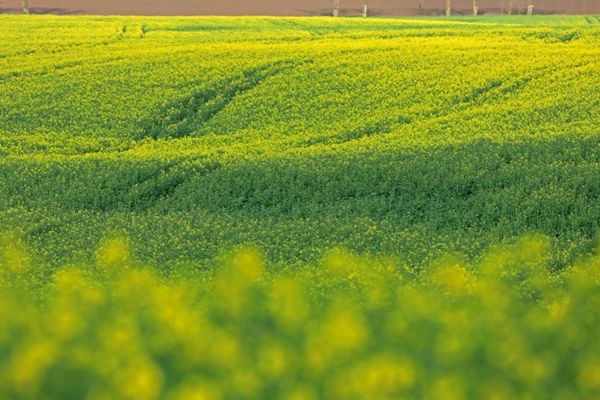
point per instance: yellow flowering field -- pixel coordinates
(299, 208)
(410, 137)
(499, 327)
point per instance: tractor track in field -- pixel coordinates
(190, 115)
(497, 88)
(150, 189)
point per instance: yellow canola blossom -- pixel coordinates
(304, 333)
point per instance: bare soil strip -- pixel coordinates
(288, 7)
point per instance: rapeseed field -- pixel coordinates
(501, 327)
(299, 208)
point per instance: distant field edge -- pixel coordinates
(387, 8)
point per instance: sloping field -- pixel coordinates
(456, 160)
(407, 137)
(291, 7)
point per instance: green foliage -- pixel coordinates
(427, 147)
(503, 326)
(408, 137)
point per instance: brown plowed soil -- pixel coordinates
(287, 7)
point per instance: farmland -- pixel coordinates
(139, 154)
(293, 7)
